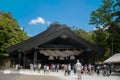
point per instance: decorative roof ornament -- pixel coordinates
(64, 36)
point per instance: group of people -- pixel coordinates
(77, 68)
(35, 67)
(46, 67)
(104, 69)
(55, 68)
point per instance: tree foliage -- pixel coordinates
(116, 13)
(10, 32)
(107, 21)
(83, 34)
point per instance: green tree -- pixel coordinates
(107, 16)
(116, 13)
(10, 32)
(100, 36)
(83, 34)
(103, 15)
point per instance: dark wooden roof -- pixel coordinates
(55, 30)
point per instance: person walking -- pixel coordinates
(74, 69)
(78, 69)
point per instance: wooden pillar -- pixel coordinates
(24, 60)
(20, 58)
(35, 56)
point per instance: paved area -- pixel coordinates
(9, 76)
(31, 75)
(26, 77)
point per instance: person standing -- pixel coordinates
(45, 68)
(89, 69)
(39, 67)
(69, 69)
(74, 69)
(78, 69)
(98, 70)
(31, 66)
(65, 69)
(57, 67)
(35, 67)
(86, 69)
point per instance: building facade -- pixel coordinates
(57, 44)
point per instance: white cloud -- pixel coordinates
(38, 20)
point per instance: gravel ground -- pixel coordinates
(9, 76)
(31, 75)
(27, 77)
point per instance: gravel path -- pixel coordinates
(38, 77)
(9, 76)
(31, 75)
(27, 77)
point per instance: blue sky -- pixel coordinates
(36, 15)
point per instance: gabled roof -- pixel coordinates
(54, 31)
